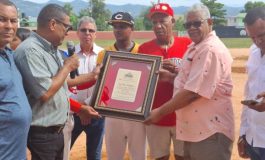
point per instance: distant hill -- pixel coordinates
(32, 9)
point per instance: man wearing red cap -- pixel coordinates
(203, 92)
(172, 49)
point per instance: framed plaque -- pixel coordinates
(126, 85)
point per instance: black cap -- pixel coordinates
(123, 17)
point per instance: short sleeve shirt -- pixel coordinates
(15, 112)
(164, 90)
(38, 61)
(206, 71)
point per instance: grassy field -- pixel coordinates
(229, 42)
(237, 42)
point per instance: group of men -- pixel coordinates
(192, 106)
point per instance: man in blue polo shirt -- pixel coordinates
(15, 112)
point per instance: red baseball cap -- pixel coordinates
(161, 8)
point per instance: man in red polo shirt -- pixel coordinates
(172, 49)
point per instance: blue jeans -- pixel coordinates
(94, 136)
(255, 153)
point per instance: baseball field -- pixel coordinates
(239, 52)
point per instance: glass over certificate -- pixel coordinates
(126, 85)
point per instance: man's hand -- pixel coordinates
(166, 76)
(261, 95)
(96, 71)
(153, 117)
(260, 105)
(87, 112)
(72, 62)
(241, 146)
(167, 64)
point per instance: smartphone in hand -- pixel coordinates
(249, 102)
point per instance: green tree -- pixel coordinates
(138, 26)
(216, 10)
(147, 24)
(179, 24)
(96, 9)
(73, 17)
(249, 5)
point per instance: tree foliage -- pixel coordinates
(216, 10)
(96, 9)
(73, 18)
(249, 5)
(145, 20)
(179, 24)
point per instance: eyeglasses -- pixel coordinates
(195, 24)
(67, 27)
(84, 30)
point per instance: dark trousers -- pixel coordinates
(255, 153)
(46, 145)
(94, 136)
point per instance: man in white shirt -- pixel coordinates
(251, 142)
(87, 52)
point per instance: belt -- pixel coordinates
(51, 129)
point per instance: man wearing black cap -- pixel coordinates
(119, 133)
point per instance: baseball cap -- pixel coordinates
(123, 17)
(161, 8)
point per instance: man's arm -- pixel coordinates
(180, 100)
(85, 79)
(83, 111)
(58, 80)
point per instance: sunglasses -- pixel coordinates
(84, 30)
(195, 24)
(67, 27)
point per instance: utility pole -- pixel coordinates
(90, 8)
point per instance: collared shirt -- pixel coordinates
(15, 112)
(206, 71)
(252, 122)
(38, 62)
(164, 90)
(101, 55)
(87, 63)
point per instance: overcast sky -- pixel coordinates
(174, 3)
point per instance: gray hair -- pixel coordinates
(86, 19)
(202, 9)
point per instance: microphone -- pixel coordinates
(71, 51)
